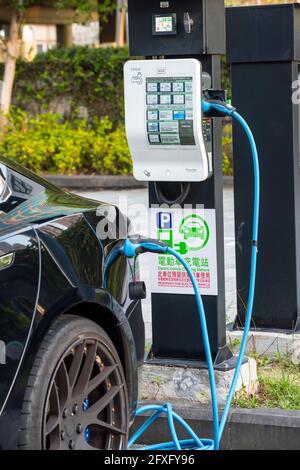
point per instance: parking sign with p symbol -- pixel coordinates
(164, 220)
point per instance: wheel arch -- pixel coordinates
(109, 316)
(104, 318)
(119, 331)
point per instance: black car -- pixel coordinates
(71, 339)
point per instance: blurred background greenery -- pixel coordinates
(66, 112)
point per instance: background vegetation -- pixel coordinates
(68, 108)
(278, 385)
(47, 144)
(72, 79)
(68, 113)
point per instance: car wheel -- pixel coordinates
(76, 397)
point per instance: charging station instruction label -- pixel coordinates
(170, 118)
(192, 233)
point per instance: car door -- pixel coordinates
(19, 285)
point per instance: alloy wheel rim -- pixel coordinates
(86, 405)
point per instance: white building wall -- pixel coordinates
(39, 38)
(86, 35)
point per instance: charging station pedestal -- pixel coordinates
(190, 29)
(263, 48)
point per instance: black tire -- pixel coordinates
(76, 396)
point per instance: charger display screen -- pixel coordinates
(165, 24)
(170, 114)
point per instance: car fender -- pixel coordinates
(10, 417)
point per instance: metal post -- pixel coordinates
(264, 52)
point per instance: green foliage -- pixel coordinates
(17, 4)
(243, 400)
(47, 144)
(279, 385)
(111, 154)
(274, 392)
(63, 81)
(81, 76)
(226, 83)
(234, 345)
(80, 7)
(227, 150)
(87, 7)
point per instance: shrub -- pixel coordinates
(111, 154)
(227, 150)
(68, 83)
(226, 82)
(72, 78)
(79, 77)
(47, 144)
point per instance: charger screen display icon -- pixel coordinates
(165, 24)
(169, 111)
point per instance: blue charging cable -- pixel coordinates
(136, 246)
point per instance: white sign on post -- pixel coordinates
(192, 233)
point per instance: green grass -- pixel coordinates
(235, 345)
(279, 385)
(148, 346)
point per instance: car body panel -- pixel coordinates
(18, 296)
(63, 269)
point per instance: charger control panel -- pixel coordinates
(167, 136)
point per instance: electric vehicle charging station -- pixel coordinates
(178, 150)
(164, 87)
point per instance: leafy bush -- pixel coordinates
(81, 76)
(59, 86)
(77, 76)
(226, 79)
(111, 154)
(47, 144)
(227, 150)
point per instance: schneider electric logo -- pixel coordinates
(190, 235)
(161, 71)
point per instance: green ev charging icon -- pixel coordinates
(194, 227)
(193, 231)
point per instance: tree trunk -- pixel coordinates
(120, 24)
(11, 55)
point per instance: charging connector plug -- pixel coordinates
(181, 248)
(216, 108)
(138, 245)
